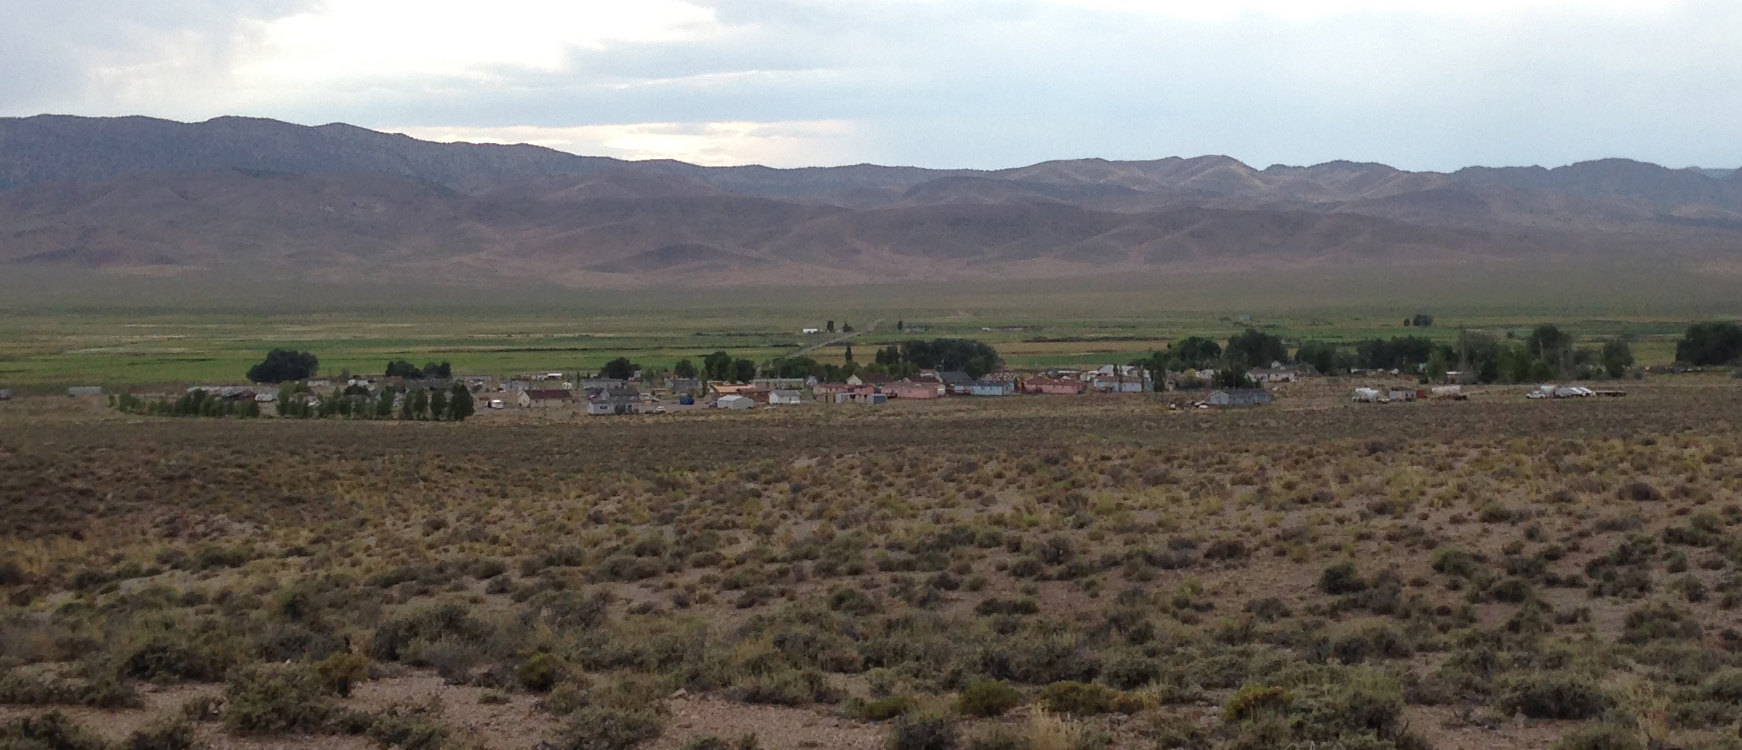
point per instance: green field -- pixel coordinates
(59, 331)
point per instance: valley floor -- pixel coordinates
(1035, 572)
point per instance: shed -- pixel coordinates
(1366, 395)
(85, 390)
(785, 397)
(1240, 397)
(735, 401)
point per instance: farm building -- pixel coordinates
(545, 399)
(869, 378)
(732, 389)
(615, 401)
(827, 391)
(785, 397)
(691, 386)
(1275, 374)
(1240, 397)
(1366, 396)
(779, 384)
(991, 388)
(861, 397)
(735, 402)
(914, 389)
(1116, 384)
(1052, 385)
(85, 390)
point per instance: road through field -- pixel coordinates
(836, 340)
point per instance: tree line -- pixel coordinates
(194, 403)
(454, 404)
(296, 401)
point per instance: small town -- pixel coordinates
(1191, 373)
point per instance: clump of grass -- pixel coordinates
(987, 698)
(274, 699)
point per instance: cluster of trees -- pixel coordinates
(976, 358)
(194, 403)
(719, 367)
(400, 368)
(283, 365)
(1419, 320)
(805, 367)
(1547, 353)
(1232, 364)
(417, 404)
(621, 369)
(1710, 344)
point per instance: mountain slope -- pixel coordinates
(278, 200)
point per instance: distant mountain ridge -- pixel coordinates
(244, 195)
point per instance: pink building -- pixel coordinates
(911, 389)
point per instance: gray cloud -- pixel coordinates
(72, 55)
(1002, 83)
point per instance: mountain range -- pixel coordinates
(338, 202)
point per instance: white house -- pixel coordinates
(784, 398)
(735, 402)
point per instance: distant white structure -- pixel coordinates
(811, 331)
(735, 402)
(1366, 396)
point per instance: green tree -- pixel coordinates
(849, 354)
(619, 369)
(384, 404)
(718, 366)
(1319, 355)
(1438, 364)
(419, 399)
(743, 371)
(1257, 347)
(1710, 344)
(438, 405)
(1196, 352)
(282, 365)
(460, 404)
(685, 369)
(975, 358)
(400, 368)
(1617, 357)
(1233, 372)
(1553, 346)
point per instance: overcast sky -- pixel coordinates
(1420, 84)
